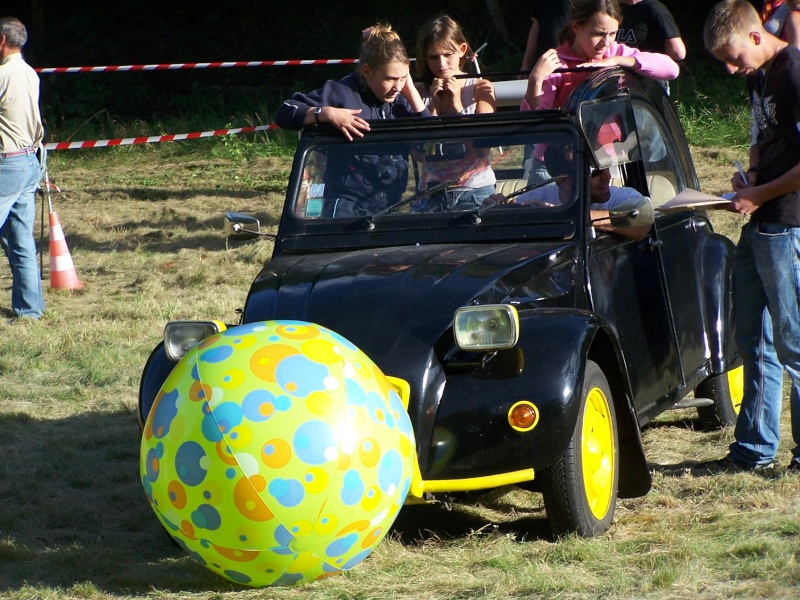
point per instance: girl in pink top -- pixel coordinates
(589, 41)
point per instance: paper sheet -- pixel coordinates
(690, 198)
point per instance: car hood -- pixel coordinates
(380, 298)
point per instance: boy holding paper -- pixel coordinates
(767, 265)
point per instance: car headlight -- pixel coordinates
(182, 336)
(486, 327)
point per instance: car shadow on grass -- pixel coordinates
(418, 524)
(165, 236)
(75, 513)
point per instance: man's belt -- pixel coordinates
(18, 152)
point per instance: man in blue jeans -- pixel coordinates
(767, 259)
(21, 136)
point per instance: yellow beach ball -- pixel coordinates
(277, 453)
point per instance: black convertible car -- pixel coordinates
(529, 343)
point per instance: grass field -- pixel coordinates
(144, 228)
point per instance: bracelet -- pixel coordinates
(317, 112)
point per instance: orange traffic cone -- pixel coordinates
(62, 270)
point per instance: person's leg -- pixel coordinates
(778, 261)
(16, 237)
(757, 427)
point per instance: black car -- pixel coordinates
(529, 344)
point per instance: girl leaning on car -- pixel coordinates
(381, 88)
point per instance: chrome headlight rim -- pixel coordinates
(181, 336)
(486, 327)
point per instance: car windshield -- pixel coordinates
(428, 175)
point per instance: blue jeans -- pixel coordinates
(469, 199)
(767, 274)
(19, 176)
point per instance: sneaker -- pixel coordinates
(728, 465)
(793, 467)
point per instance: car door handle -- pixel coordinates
(650, 243)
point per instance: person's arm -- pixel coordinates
(747, 200)
(599, 213)
(291, 114)
(751, 174)
(320, 106)
(530, 46)
(650, 64)
(345, 120)
(752, 171)
(485, 100)
(601, 220)
(415, 101)
(669, 32)
(791, 27)
(541, 90)
(675, 48)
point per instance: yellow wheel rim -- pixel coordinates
(598, 453)
(736, 387)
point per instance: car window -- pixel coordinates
(437, 175)
(610, 131)
(664, 175)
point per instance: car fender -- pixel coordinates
(598, 342)
(716, 273)
(155, 373)
(555, 344)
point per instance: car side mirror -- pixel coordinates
(239, 226)
(634, 212)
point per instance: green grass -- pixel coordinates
(144, 226)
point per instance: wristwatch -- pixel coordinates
(317, 112)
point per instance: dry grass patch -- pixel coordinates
(144, 229)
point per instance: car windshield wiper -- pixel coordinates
(442, 187)
(478, 212)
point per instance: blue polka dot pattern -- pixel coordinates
(277, 453)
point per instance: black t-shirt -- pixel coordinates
(553, 17)
(646, 25)
(775, 98)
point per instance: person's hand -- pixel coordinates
(411, 93)
(494, 199)
(345, 120)
(547, 63)
(442, 96)
(746, 201)
(453, 90)
(738, 184)
(536, 202)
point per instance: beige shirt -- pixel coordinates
(20, 120)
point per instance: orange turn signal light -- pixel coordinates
(523, 415)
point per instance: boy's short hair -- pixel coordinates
(729, 22)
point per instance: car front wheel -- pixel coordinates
(580, 488)
(726, 391)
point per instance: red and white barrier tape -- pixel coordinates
(173, 137)
(208, 65)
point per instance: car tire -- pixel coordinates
(580, 488)
(726, 390)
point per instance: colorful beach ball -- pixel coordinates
(277, 453)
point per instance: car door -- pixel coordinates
(625, 277)
(680, 235)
